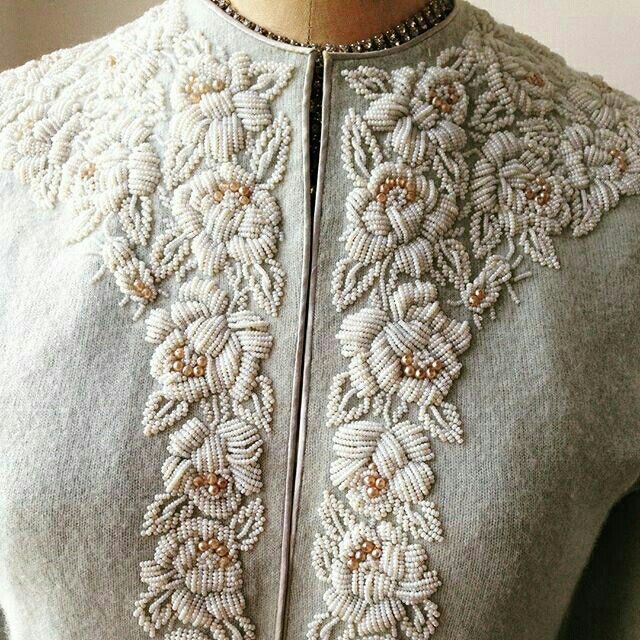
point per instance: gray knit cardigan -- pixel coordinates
(404, 407)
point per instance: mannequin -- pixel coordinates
(327, 21)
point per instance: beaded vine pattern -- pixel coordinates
(462, 173)
(177, 183)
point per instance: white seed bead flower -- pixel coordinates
(601, 167)
(196, 567)
(114, 174)
(421, 111)
(375, 574)
(381, 469)
(214, 467)
(229, 217)
(203, 348)
(598, 104)
(515, 193)
(36, 146)
(396, 213)
(410, 351)
(222, 102)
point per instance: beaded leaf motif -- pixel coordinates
(461, 172)
(169, 149)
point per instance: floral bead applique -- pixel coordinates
(169, 151)
(462, 173)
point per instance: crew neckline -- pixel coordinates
(217, 13)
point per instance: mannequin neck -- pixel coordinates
(327, 21)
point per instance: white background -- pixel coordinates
(599, 36)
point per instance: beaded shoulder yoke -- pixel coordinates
(460, 172)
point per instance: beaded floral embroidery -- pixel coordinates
(84, 127)
(460, 172)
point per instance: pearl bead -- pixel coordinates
(381, 483)
(214, 543)
(368, 546)
(202, 361)
(178, 365)
(179, 352)
(409, 371)
(188, 370)
(376, 554)
(421, 374)
(353, 564)
(203, 546)
(222, 551)
(198, 371)
(234, 185)
(372, 492)
(407, 359)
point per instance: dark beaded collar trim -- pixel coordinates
(430, 15)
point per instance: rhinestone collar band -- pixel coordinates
(430, 15)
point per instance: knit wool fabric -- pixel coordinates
(405, 409)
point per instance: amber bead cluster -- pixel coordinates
(536, 79)
(218, 547)
(621, 159)
(196, 88)
(182, 363)
(375, 484)
(412, 370)
(243, 191)
(367, 548)
(143, 290)
(477, 296)
(540, 191)
(392, 183)
(444, 103)
(216, 484)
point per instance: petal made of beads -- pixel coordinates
(271, 152)
(384, 112)
(161, 413)
(351, 280)
(248, 524)
(381, 617)
(369, 82)
(190, 436)
(187, 634)
(191, 608)
(444, 422)
(357, 440)
(209, 335)
(154, 611)
(422, 521)
(165, 513)
(359, 329)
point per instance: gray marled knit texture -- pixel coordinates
(550, 396)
